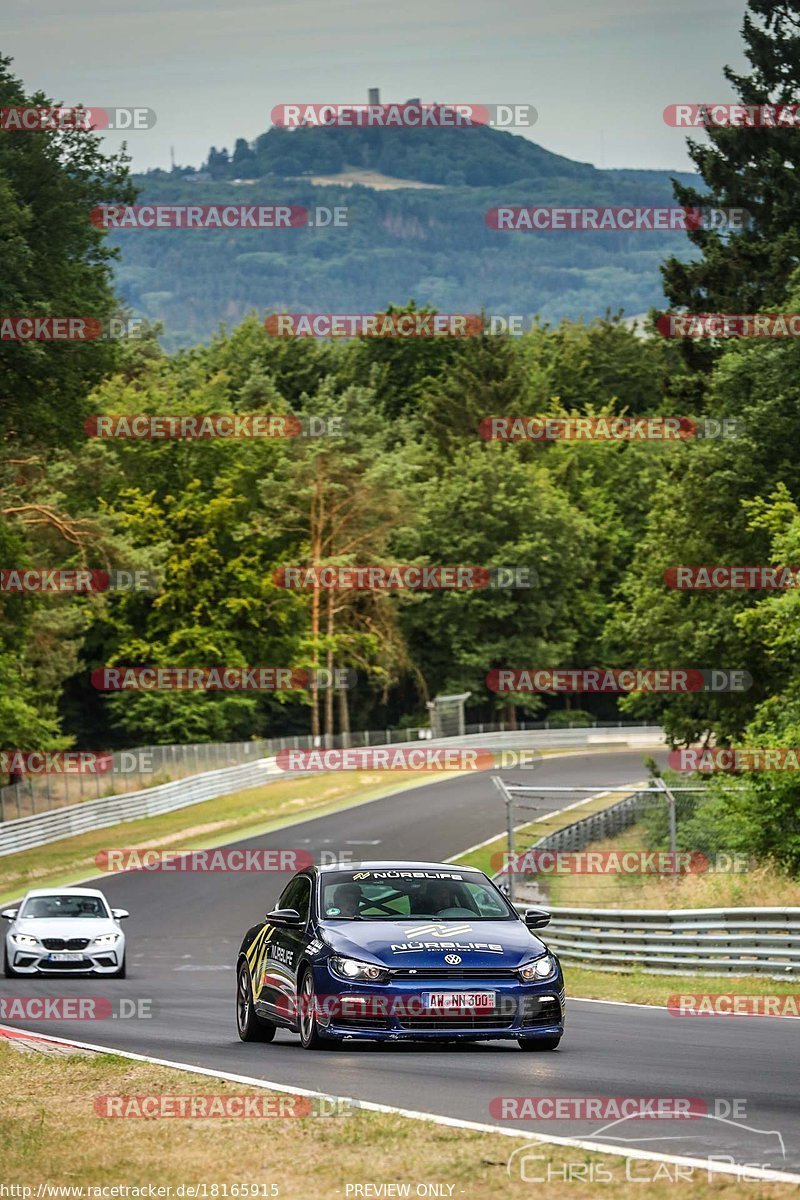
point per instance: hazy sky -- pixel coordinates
(600, 72)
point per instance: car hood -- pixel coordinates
(65, 927)
(425, 943)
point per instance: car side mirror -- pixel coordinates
(119, 914)
(10, 913)
(288, 917)
(536, 918)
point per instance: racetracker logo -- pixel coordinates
(729, 325)
(218, 679)
(75, 579)
(50, 329)
(213, 425)
(403, 578)
(587, 429)
(74, 1008)
(388, 325)
(708, 1004)
(55, 762)
(216, 216)
(187, 861)
(619, 220)
(722, 116)
(195, 1106)
(387, 758)
(411, 115)
(722, 758)
(60, 120)
(734, 579)
(616, 679)
(600, 862)
(597, 1108)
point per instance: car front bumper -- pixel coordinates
(397, 1010)
(105, 960)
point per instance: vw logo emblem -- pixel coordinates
(452, 959)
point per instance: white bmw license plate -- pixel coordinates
(460, 1001)
(63, 956)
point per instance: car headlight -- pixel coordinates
(106, 939)
(23, 939)
(351, 968)
(539, 968)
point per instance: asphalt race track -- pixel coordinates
(185, 930)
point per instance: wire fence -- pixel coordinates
(648, 829)
(131, 771)
(148, 766)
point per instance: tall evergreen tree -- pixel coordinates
(755, 168)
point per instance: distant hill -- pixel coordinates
(426, 243)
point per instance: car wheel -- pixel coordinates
(251, 1027)
(122, 972)
(310, 1037)
(8, 970)
(548, 1043)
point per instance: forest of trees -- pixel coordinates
(408, 480)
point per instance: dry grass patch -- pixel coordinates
(51, 1133)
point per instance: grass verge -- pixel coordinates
(50, 1106)
(639, 988)
(761, 886)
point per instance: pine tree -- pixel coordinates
(751, 168)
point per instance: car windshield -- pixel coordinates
(64, 906)
(389, 895)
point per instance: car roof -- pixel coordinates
(64, 891)
(393, 864)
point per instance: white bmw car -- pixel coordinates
(60, 930)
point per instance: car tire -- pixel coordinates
(250, 1026)
(546, 1043)
(310, 1037)
(122, 972)
(8, 970)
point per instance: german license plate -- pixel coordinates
(65, 956)
(460, 1001)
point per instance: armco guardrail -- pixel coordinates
(38, 830)
(730, 941)
(33, 794)
(27, 832)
